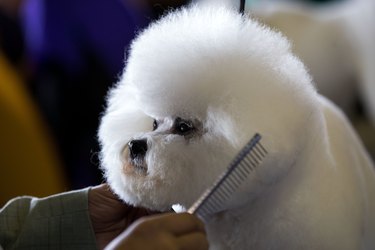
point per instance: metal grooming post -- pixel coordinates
(242, 6)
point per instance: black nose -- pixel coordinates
(138, 148)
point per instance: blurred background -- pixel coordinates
(58, 59)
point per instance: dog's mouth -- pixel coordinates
(133, 165)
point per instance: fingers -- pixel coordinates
(177, 224)
(167, 231)
(184, 230)
(164, 231)
(104, 205)
(195, 240)
(105, 201)
(103, 194)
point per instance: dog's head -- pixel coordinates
(197, 85)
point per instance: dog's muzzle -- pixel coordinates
(137, 148)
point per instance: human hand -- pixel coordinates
(110, 216)
(163, 232)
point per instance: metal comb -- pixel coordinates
(239, 169)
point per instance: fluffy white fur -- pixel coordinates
(334, 42)
(232, 77)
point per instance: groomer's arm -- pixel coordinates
(84, 219)
(59, 221)
(90, 219)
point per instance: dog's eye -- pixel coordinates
(183, 127)
(155, 125)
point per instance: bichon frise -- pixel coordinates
(197, 86)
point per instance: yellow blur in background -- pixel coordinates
(29, 164)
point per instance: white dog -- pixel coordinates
(197, 86)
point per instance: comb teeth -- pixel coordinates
(239, 169)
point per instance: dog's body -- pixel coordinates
(334, 42)
(211, 78)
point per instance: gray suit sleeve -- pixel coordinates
(55, 222)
